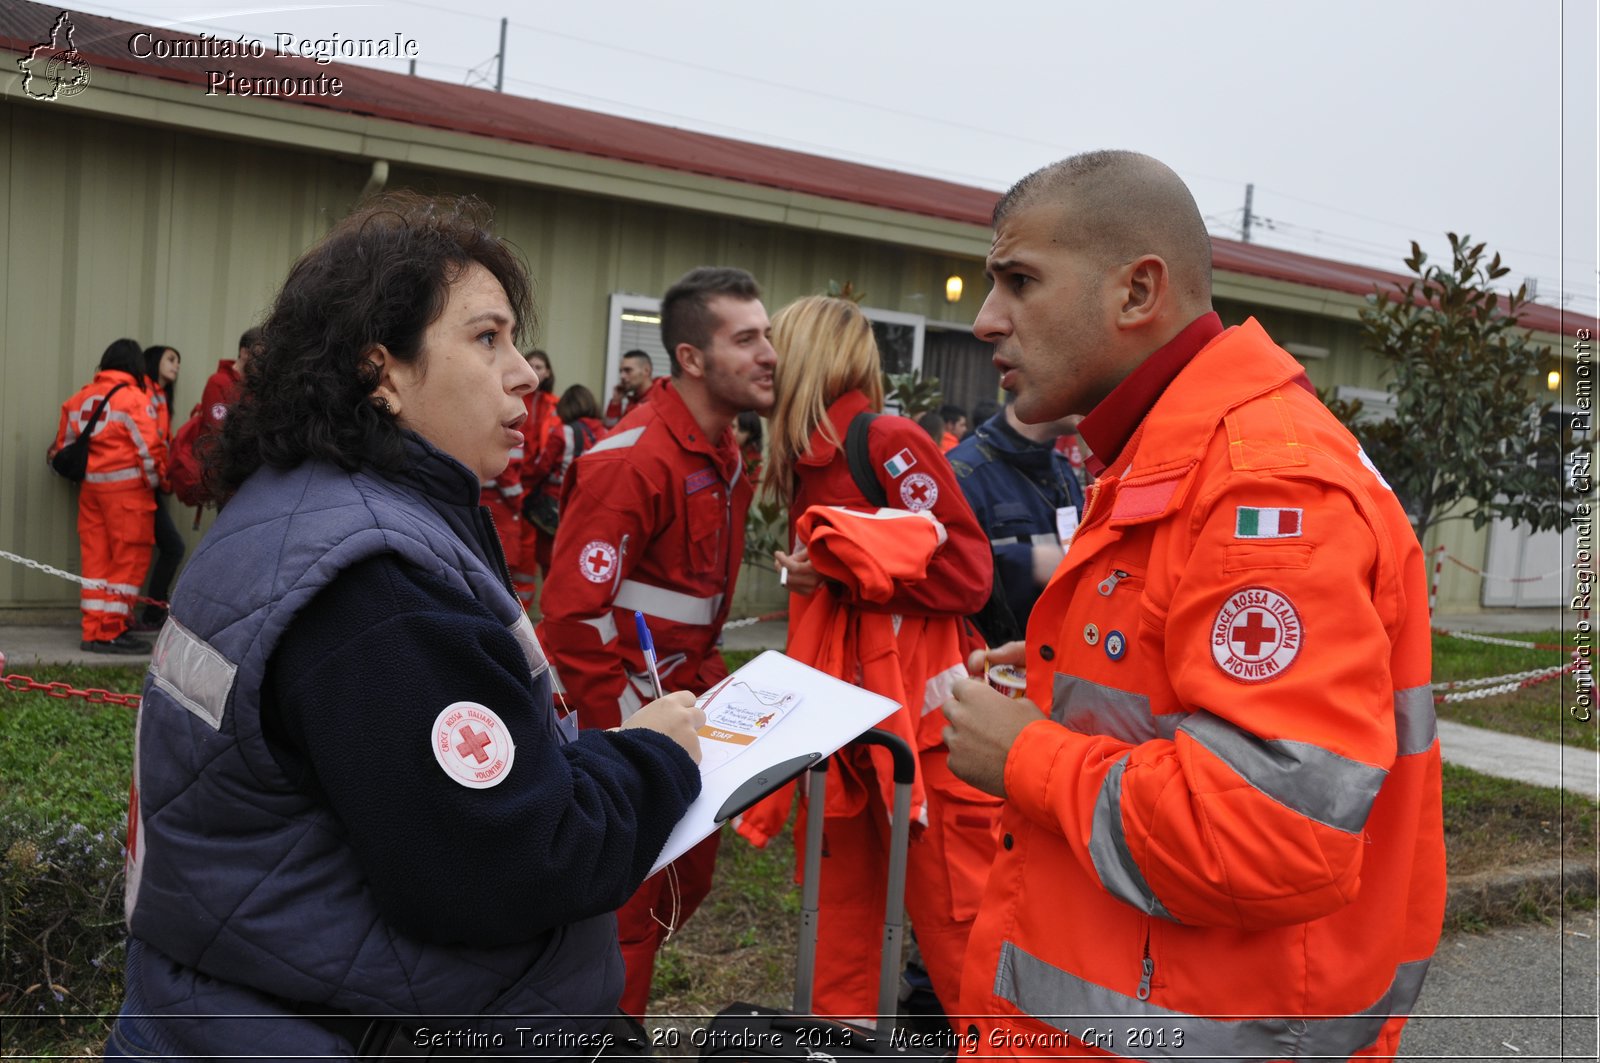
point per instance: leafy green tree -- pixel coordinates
(1464, 441)
(914, 393)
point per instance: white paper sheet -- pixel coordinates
(767, 713)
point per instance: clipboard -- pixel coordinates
(748, 758)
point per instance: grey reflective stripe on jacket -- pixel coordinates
(1070, 1004)
(1315, 782)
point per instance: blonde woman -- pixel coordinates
(880, 602)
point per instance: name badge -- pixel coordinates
(1066, 524)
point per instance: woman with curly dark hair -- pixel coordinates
(354, 805)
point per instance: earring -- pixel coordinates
(383, 406)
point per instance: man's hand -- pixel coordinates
(799, 574)
(674, 716)
(983, 725)
(1011, 653)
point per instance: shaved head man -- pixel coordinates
(1097, 261)
(1222, 832)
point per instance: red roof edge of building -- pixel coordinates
(515, 119)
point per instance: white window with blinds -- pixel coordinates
(635, 325)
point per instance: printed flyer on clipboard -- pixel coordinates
(766, 721)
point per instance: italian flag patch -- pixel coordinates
(899, 463)
(1253, 523)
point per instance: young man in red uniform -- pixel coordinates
(652, 519)
(634, 385)
(222, 386)
(1223, 839)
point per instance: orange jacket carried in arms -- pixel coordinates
(1227, 838)
(913, 659)
(652, 520)
(128, 448)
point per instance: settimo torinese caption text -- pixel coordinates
(322, 50)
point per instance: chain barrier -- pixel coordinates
(1494, 640)
(93, 695)
(748, 620)
(1508, 684)
(91, 584)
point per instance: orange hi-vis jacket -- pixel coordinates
(652, 519)
(128, 448)
(1226, 840)
(913, 659)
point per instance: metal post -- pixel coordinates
(500, 74)
(1249, 194)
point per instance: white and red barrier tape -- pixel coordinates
(1440, 554)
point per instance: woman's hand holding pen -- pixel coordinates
(674, 716)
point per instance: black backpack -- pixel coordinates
(995, 621)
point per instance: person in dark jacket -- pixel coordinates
(1026, 497)
(354, 807)
(161, 364)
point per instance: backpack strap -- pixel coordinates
(94, 418)
(860, 459)
(582, 439)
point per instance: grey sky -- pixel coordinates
(1362, 124)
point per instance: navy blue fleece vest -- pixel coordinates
(241, 887)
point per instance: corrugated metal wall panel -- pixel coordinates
(119, 230)
(116, 229)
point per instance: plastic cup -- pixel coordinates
(1008, 679)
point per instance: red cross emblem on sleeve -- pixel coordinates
(1256, 635)
(919, 491)
(597, 561)
(472, 745)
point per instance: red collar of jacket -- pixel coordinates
(1112, 422)
(820, 449)
(1167, 446)
(667, 406)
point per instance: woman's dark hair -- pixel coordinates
(382, 276)
(547, 381)
(749, 422)
(577, 401)
(125, 355)
(152, 369)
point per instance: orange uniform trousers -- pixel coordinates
(117, 533)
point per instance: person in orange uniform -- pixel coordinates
(117, 502)
(652, 519)
(850, 624)
(535, 546)
(1225, 839)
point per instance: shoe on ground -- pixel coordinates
(123, 643)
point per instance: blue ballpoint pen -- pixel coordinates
(648, 645)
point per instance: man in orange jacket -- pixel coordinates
(1224, 837)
